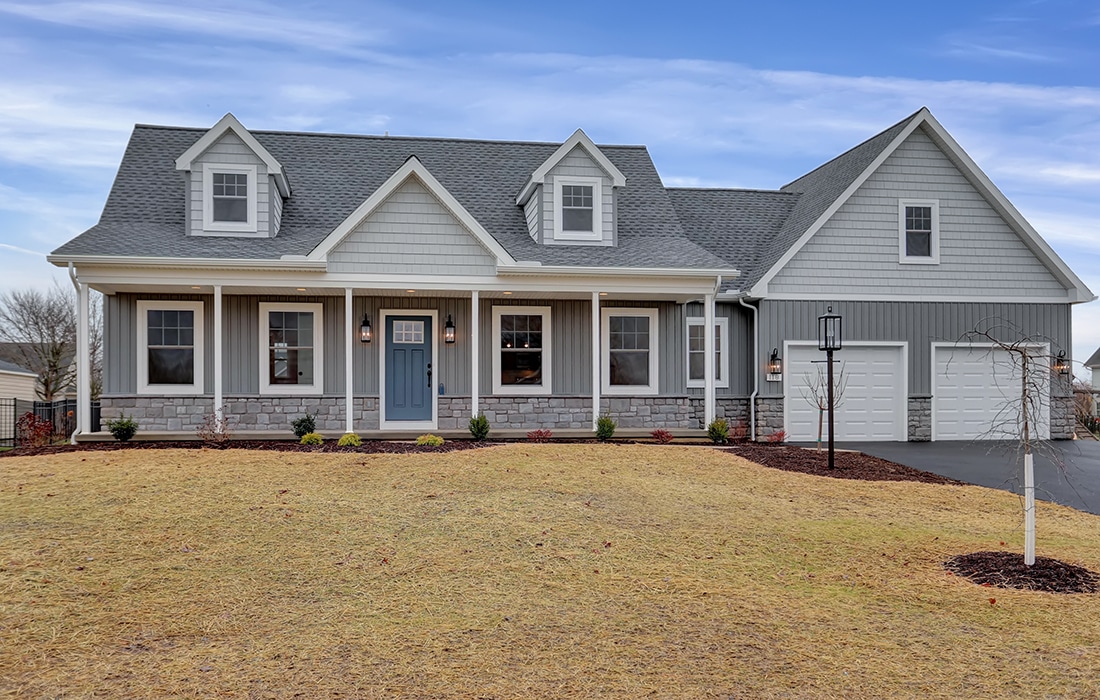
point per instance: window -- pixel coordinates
(629, 351)
(291, 349)
(578, 209)
(919, 232)
(229, 198)
(408, 332)
(170, 349)
(696, 352)
(521, 350)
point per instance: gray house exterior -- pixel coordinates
(532, 282)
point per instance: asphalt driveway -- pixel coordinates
(1066, 471)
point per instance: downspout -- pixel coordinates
(755, 365)
(76, 285)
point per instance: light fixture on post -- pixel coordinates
(365, 333)
(449, 331)
(775, 366)
(1061, 366)
(829, 340)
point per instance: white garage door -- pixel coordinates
(872, 405)
(976, 392)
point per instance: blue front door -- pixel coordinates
(409, 368)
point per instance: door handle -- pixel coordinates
(429, 375)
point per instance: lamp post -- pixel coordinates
(829, 340)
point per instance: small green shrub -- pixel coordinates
(479, 427)
(429, 440)
(350, 440)
(123, 428)
(304, 425)
(605, 427)
(661, 436)
(719, 431)
(313, 439)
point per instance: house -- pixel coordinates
(1093, 363)
(17, 382)
(388, 283)
(33, 357)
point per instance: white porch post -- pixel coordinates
(595, 358)
(349, 364)
(83, 363)
(219, 398)
(475, 351)
(708, 363)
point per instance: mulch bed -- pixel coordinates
(1007, 570)
(848, 465)
(368, 447)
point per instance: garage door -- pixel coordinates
(872, 405)
(975, 395)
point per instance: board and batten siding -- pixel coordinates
(577, 163)
(857, 249)
(920, 324)
(230, 150)
(411, 233)
(739, 361)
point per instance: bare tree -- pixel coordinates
(818, 394)
(40, 327)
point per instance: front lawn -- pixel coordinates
(517, 572)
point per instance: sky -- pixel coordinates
(724, 94)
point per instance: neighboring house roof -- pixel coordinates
(1094, 361)
(20, 354)
(11, 368)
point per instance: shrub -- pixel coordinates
(304, 425)
(719, 431)
(605, 427)
(313, 439)
(214, 431)
(540, 435)
(1092, 423)
(777, 437)
(661, 436)
(479, 427)
(33, 431)
(349, 440)
(123, 428)
(429, 440)
(739, 432)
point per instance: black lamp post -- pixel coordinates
(829, 340)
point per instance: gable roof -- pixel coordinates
(226, 124)
(15, 369)
(579, 138)
(1094, 361)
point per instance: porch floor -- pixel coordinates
(681, 434)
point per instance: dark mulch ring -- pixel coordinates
(1007, 570)
(848, 465)
(368, 447)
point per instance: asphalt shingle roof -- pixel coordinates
(9, 367)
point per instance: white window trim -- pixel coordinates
(722, 348)
(904, 259)
(597, 209)
(208, 223)
(547, 379)
(318, 385)
(144, 306)
(605, 352)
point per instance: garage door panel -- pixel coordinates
(872, 406)
(976, 395)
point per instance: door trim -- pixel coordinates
(384, 424)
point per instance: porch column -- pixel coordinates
(595, 358)
(349, 351)
(475, 352)
(708, 363)
(219, 398)
(83, 363)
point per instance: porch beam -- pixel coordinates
(595, 358)
(475, 352)
(219, 398)
(349, 364)
(708, 363)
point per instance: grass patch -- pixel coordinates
(518, 571)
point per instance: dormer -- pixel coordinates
(235, 187)
(570, 198)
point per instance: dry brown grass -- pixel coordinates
(518, 572)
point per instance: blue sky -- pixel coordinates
(724, 94)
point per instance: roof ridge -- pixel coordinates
(734, 189)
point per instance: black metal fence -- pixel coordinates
(61, 414)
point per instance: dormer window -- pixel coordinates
(578, 216)
(229, 198)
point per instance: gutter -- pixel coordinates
(287, 263)
(755, 365)
(570, 270)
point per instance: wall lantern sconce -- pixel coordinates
(365, 333)
(449, 331)
(1060, 365)
(775, 367)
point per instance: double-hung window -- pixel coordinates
(229, 198)
(919, 232)
(629, 351)
(291, 349)
(170, 349)
(521, 352)
(578, 214)
(696, 352)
